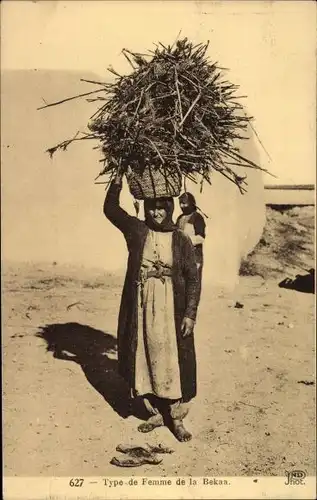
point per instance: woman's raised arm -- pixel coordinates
(112, 210)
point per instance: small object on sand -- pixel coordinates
(161, 449)
(306, 382)
(129, 461)
(134, 451)
(137, 456)
(72, 305)
(143, 450)
(238, 305)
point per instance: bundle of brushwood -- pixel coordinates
(173, 117)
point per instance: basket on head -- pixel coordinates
(154, 183)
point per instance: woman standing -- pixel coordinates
(156, 352)
(193, 224)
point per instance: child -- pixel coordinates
(193, 224)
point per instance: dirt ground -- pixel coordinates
(287, 245)
(254, 412)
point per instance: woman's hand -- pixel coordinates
(118, 176)
(187, 326)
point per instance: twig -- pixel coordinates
(69, 99)
(96, 83)
(254, 406)
(139, 104)
(154, 146)
(178, 94)
(64, 145)
(128, 58)
(249, 162)
(72, 305)
(190, 109)
(258, 138)
(176, 38)
(187, 140)
(111, 70)
(225, 174)
(174, 110)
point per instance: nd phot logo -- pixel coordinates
(295, 477)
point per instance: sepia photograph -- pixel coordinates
(158, 170)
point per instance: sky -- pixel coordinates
(269, 48)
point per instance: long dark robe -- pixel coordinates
(184, 279)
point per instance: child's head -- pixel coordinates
(187, 203)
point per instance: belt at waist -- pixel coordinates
(157, 270)
(155, 273)
(160, 273)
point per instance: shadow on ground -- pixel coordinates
(95, 351)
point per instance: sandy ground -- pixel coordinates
(254, 413)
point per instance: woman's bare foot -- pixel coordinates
(151, 423)
(179, 431)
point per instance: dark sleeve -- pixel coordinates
(199, 225)
(191, 276)
(114, 213)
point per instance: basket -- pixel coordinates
(154, 183)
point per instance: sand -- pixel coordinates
(254, 412)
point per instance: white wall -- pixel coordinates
(51, 210)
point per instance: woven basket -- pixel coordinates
(154, 183)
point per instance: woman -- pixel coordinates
(156, 352)
(193, 224)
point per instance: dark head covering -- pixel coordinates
(168, 205)
(190, 200)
